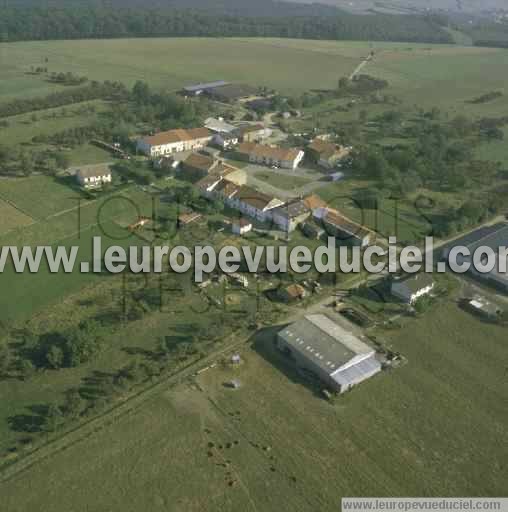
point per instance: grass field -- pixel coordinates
(442, 75)
(12, 217)
(392, 218)
(54, 220)
(496, 151)
(283, 182)
(23, 128)
(39, 196)
(274, 445)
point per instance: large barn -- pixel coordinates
(494, 237)
(329, 351)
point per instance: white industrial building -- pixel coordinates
(329, 351)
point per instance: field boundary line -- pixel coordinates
(15, 206)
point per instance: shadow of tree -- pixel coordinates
(31, 422)
(263, 342)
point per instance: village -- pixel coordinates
(221, 160)
(251, 254)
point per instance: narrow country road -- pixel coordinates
(360, 67)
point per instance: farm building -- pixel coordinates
(174, 141)
(313, 230)
(233, 174)
(314, 202)
(342, 228)
(93, 176)
(327, 154)
(225, 140)
(494, 237)
(288, 158)
(254, 133)
(291, 293)
(226, 191)
(166, 163)
(218, 125)
(197, 166)
(229, 93)
(291, 215)
(198, 89)
(330, 352)
(484, 308)
(207, 185)
(254, 204)
(410, 289)
(241, 226)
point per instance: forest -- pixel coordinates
(91, 21)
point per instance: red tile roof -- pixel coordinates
(180, 135)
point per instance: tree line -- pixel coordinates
(78, 22)
(95, 90)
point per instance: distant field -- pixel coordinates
(442, 75)
(275, 445)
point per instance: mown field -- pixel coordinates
(436, 427)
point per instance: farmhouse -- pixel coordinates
(254, 133)
(291, 215)
(241, 226)
(329, 352)
(254, 204)
(326, 154)
(93, 176)
(410, 289)
(342, 228)
(267, 155)
(198, 89)
(197, 166)
(174, 141)
(494, 237)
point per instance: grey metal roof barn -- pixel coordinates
(330, 351)
(197, 88)
(494, 237)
